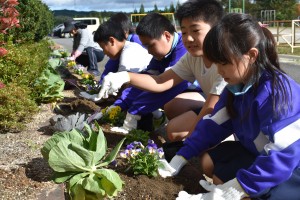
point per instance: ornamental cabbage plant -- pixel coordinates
(143, 160)
(80, 160)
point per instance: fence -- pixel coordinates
(286, 32)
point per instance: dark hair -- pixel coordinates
(233, 37)
(153, 25)
(209, 11)
(109, 29)
(80, 25)
(124, 20)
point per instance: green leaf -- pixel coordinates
(63, 159)
(75, 179)
(86, 155)
(110, 180)
(54, 63)
(101, 145)
(61, 177)
(77, 192)
(89, 131)
(72, 136)
(112, 156)
(92, 184)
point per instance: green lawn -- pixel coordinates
(288, 50)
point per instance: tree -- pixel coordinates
(172, 8)
(166, 10)
(155, 8)
(285, 9)
(142, 9)
(177, 5)
(36, 21)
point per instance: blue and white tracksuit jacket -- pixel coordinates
(140, 102)
(113, 65)
(274, 139)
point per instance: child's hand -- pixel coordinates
(112, 82)
(93, 97)
(172, 168)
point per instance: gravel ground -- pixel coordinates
(23, 172)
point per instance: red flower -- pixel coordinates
(1, 85)
(3, 52)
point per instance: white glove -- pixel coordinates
(172, 168)
(112, 82)
(183, 195)
(93, 97)
(230, 190)
(129, 124)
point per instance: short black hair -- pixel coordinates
(124, 20)
(109, 29)
(153, 25)
(209, 11)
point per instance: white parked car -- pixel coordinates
(92, 24)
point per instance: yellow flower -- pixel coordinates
(86, 76)
(112, 116)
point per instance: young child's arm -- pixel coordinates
(207, 108)
(113, 82)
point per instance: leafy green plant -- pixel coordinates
(87, 79)
(114, 116)
(143, 160)
(64, 53)
(49, 87)
(24, 63)
(79, 159)
(137, 135)
(16, 107)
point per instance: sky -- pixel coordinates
(108, 5)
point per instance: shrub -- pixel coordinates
(24, 63)
(36, 21)
(16, 108)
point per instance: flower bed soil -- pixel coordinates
(24, 174)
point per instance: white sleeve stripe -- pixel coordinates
(220, 117)
(260, 141)
(287, 135)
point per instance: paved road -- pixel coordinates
(290, 64)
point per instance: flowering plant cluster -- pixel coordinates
(8, 19)
(113, 116)
(78, 69)
(88, 81)
(143, 160)
(137, 135)
(63, 53)
(71, 63)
